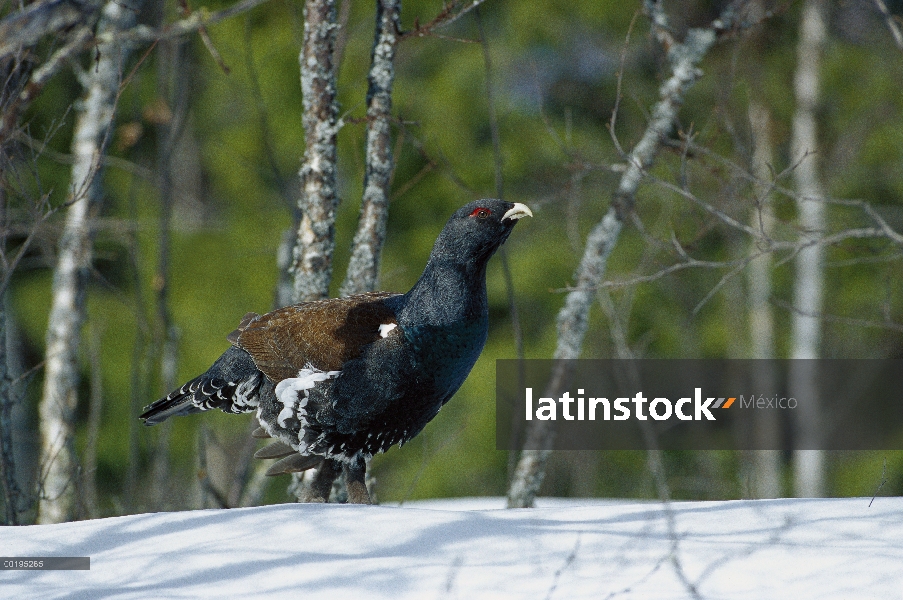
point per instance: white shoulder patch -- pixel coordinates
(385, 328)
(289, 392)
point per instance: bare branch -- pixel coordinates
(9, 266)
(688, 263)
(881, 484)
(620, 79)
(67, 159)
(79, 40)
(26, 27)
(198, 19)
(493, 115)
(887, 229)
(446, 17)
(851, 321)
(573, 317)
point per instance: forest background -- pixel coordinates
(538, 102)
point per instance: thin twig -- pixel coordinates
(66, 158)
(881, 484)
(852, 321)
(78, 40)
(499, 184)
(197, 20)
(446, 17)
(612, 122)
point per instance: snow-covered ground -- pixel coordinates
(797, 549)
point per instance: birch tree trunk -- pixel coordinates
(808, 463)
(92, 131)
(765, 463)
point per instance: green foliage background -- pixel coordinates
(555, 66)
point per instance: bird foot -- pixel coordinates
(354, 480)
(357, 493)
(310, 497)
(321, 486)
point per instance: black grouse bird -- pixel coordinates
(336, 381)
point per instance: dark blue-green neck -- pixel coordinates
(445, 319)
(447, 293)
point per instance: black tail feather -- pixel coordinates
(232, 385)
(176, 404)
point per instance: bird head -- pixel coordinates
(475, 231)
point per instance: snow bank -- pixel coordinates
(838, 548)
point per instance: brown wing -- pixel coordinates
(325, 333)
(245, 321)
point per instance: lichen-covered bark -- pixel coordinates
(312, 258)
(61, 376)
(573, 317)
(363, 267)
(311, 266)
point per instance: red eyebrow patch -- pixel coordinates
(481, 213)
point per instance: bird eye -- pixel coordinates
(481, 213)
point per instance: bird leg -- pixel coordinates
(321, 486)
(354, 480)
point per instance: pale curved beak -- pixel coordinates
(518, 211)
